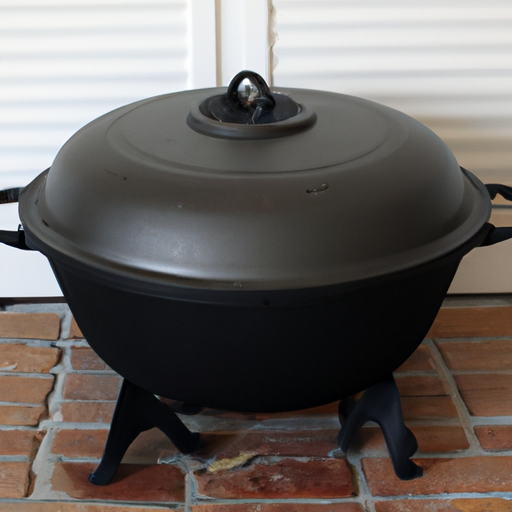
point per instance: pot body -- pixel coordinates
(263, 358)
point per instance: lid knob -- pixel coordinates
(250, 110)
(249, 100)
(248, 93)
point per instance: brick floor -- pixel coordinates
(57, 399)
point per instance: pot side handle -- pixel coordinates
(13, 238)
(497, 235)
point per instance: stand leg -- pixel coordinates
(381, 403)
(136, 411)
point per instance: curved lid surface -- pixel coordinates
(363, 191)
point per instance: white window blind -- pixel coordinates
(66, 62)
(447, 63)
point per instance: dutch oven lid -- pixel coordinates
(317, 189)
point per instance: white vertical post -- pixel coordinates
(202, 47)
(225, 37)
(244, 38)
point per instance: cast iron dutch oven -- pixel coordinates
(255, 250)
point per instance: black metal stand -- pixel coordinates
(136, 411)
(381, 403)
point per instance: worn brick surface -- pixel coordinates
(148, 448)
(87, 412)
(133, 482)
(429, 408)
(489, 355)
(431, 439)
(74, 330)
(84, 358)
(421, 360)
(14, 479)
(79, 443)
(26, 390)
(456, 505)
(486, 394)
(41, 326)
(287, 478)
(22, 358)
(20, 442)
(66, 506)
(91, 387)
(21, 415)
(460, 475)
(279, 507)
(472, 322)
(494, 437)
(313, 443)
(420, 385)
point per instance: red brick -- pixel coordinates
(420, 385)
(495, 437)
(482, 505)
(457, 505)
(74, 330)
(21, 415)
(279, 507)
(21, 358)
(486, 394)
(428, 408)
(133, 482)
(91, 387)
(87, 412)
(477, 355)
(472, 322)
(14, 479)
(431, 439)
(40, 326)
(26, 390)
(460, 475)
(322, 410)
(20, 442)
(84, 358)
(148, 448)
(311, 443)
(440, 438)
(79, 443)
(285, 479)
(421, 360)
(66, 506)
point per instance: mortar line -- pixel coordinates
(465, 418)
(190, 485)
(353, 457)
